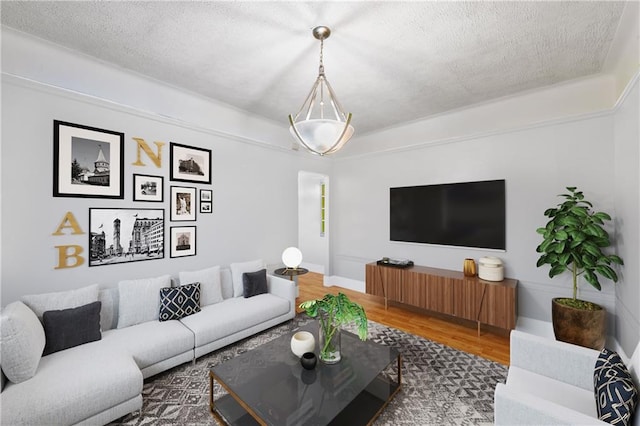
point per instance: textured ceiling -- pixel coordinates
(389, 62)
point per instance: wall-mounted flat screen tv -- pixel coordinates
(468, 214)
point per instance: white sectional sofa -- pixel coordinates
(551, 383)
(101, 381)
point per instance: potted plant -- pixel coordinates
(334, 311)
(573, 240)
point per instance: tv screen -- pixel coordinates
(469, 214)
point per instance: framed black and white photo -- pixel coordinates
(206, 207)
(189, 164)
(87, 162)
(148, 188)
(206, 195)
(183, 204)
(125, 235)
(183, 241)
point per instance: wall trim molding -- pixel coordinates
(478, 135)
(99, 102)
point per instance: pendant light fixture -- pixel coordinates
(321, 124)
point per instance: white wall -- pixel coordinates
(537, 163)
(254, 181)
(627, 217)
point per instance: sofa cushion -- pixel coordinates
(22, 342)
(71, 327)
(179, 302)
(71, 386)
(40, 303)
(150, 342)
(210, 286)
(109, 311)
(237, 269)
(226, 283)
(544, 387)
(616, 394)
(254, 283)
(139, 300)
(217, 321)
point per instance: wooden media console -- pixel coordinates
(446, 292)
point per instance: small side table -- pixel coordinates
(290, 272)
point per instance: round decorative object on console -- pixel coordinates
(302, 342)
(469, 267)
(308, 360)
(490, 269)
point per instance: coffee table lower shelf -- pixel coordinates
(363, 410)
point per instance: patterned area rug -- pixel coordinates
(440, 385)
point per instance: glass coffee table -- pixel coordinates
(268, 386)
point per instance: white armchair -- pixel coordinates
(549, 383)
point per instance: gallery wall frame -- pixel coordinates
(206, 201)
(88, 162)
(148, 188)
(189, 163)
(125, 235)
(183, 204)
(183, 241)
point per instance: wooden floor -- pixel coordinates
(464, 337)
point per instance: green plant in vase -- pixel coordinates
(334, 311)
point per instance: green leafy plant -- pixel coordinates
(334, 311)
(573, 240)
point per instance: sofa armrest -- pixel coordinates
(562, 361)
(282, 287)
(515, 407)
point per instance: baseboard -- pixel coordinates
(312, 267)
(347, 283)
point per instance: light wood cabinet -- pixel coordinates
(446, 292)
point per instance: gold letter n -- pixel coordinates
(156, 158)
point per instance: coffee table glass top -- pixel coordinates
(270, 383)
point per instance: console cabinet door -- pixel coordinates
(467, 298)
(414, 289)
(439, 293)
(384, 281)
(499, 306)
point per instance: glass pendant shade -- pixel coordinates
(321, 124)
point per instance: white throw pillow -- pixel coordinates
(209, 279)
(139, 300)
(237, 269)
(41, 303)
(23, 341)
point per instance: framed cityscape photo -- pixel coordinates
(183, 241)
(87, 162)
(125, 235)
(183, 204)
(189, 164)
(148, 188)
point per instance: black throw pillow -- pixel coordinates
(254, 283)
(66, 328)
(179, 302)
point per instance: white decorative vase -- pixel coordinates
(302, 342)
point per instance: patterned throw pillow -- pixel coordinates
(616, 394)
(179, 302)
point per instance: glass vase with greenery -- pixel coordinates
(334, 311)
